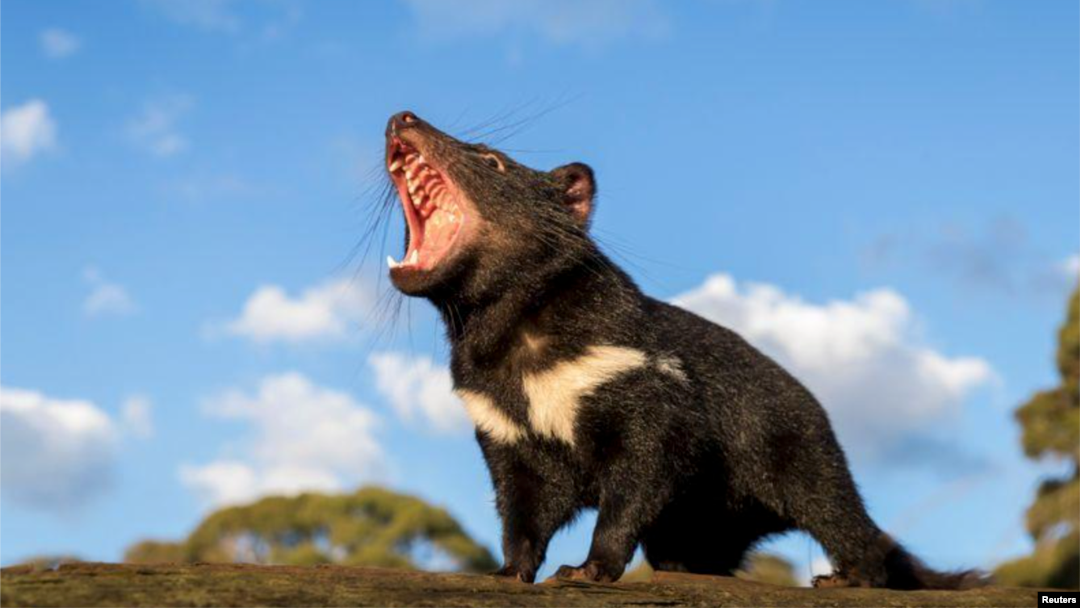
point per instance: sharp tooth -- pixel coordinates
(415, 257)
(413, 187)
(394, 166)
(391, 262)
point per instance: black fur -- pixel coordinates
(695, 467)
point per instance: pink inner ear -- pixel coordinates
(581, 209)
(580, 189)
(579, 197)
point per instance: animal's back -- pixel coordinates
(766, 421)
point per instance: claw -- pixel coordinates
(589, 571)
(512, 572)
(836, 580)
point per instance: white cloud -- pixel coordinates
(26, 131)
(1070, 267)
(55, 453)
(818, 566)
(106, 298)
(303, 437)
(269, 19)
(210, 15)
(419, 390)
(821, 565)
(325, 311)
(583, 22)
(155, 130)
(996, 257)
(862, 358)
(137, 415)
(57, 43)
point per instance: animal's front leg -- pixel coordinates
(625, 510)
(532, 509)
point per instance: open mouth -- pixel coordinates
(431, 204)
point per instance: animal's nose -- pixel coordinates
(401, 121)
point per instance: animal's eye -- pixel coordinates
(495, 162)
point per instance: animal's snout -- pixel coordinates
(401, 121)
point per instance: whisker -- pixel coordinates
(380, 207)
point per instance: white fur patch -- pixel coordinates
(555, 394)
(489, 418)
(671, 366)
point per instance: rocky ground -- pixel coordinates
(86, 584)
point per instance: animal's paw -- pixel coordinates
(513, 572)
(589, 571)
(838, 579)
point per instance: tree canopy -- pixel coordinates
(758, 566)
(372, 527)
(1051, 430)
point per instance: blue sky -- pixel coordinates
(882, 195)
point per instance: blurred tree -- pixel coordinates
(373, 527)
(49, 562)
(761, 567)
(1051, 427)
(768, 568)
(154, 552)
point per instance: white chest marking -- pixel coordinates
(555, 394)
(489, 418)
(672, 366)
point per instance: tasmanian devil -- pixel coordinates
(586, 393)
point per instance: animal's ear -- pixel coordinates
(579, 190)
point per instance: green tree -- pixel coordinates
(758, 566)
(49, 562)
(154, 552)
(372, 527)
(1051, 425)
(768, 568)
